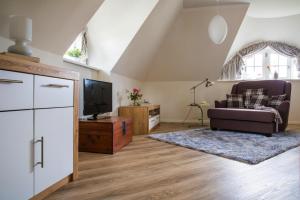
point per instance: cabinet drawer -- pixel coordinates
(153, 121)
(16, 91)
(52, 92)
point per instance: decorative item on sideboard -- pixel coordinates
(20, 31)
(135, 96)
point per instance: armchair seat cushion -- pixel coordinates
(241, 114)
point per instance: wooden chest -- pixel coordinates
(104, 135)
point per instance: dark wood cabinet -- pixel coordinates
(104, 135)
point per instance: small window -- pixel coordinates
(77, 52)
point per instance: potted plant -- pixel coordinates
(135, 96)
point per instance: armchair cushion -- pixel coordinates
(275, 101)
(241, 114)
(250, 92)
(258, 100)
(235, 101)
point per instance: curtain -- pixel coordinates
(233, 68)
(84, 46)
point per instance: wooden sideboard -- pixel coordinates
(38, 127)
(144, 117)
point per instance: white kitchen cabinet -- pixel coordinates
(16, 154)
(37, 111)
(55, 126)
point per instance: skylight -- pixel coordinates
(77, 52)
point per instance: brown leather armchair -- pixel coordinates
(250, 120)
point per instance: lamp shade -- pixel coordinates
(217, 29)
(20, 28)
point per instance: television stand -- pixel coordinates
(144, 117)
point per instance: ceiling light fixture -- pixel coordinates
(218, 28)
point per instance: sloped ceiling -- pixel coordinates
(257, 9)
(187, 53)
(56, 23)
(112, 29)
(201, 3)
(284, 29)
(134, 62)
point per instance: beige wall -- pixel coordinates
(187, 53)
(175, 96)
(141, 50)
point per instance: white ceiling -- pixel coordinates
(55, 23)
(257, 9)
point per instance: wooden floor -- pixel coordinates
(153, 170)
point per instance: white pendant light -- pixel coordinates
(217, 29)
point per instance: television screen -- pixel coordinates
(97, 97)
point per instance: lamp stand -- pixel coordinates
(20, 47)
(194, 104)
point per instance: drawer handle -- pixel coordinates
(42, 152)
(56, 86)
(9, 81)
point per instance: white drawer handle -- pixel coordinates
(56, 86)
(9, 81)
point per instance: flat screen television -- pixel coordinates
(97, 97)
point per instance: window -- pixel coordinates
(77, 52)
(268, 64)
(254, 66)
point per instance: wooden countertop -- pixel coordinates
(19, 64)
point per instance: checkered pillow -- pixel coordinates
(250, 92)
(234, 101)
(258, 100)
(275, 101)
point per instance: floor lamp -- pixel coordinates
(205, 82)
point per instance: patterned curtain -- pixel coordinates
(84, 46)
(233, 68)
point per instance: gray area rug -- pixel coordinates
(245, 147)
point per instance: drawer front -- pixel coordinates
(153, 121)
(16, 91)
(52, 92)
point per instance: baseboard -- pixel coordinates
(181, 121)
(206, 121)
(294, 122)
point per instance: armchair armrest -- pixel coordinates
(221, 104)
(283, 110)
